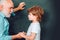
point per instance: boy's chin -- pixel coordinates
(30, 20)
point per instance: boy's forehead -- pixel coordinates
(30, 13)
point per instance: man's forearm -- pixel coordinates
(20, 6)
(14, 37)
(16, 9)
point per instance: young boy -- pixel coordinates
(35, 15)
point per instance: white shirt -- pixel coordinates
(35, 28)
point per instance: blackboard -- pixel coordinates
(21, 23)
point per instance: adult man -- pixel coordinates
(6, 10)
(20, 7)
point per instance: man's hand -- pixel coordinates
(21, 6)
(20, 34)
(23, 34)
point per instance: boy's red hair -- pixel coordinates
(36, 11)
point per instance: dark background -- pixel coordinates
(57, 27)
(50, 29)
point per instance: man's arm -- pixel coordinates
(2, 30)
(20, 7)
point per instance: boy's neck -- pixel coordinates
(35, 21)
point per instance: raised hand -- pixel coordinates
(21, 5)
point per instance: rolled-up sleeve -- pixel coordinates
(2, 29)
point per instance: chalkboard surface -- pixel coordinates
(21, 23)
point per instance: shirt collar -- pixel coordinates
(2, 14)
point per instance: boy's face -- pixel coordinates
(31, 17)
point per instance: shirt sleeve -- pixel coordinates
(35, 28)
(2, 29)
